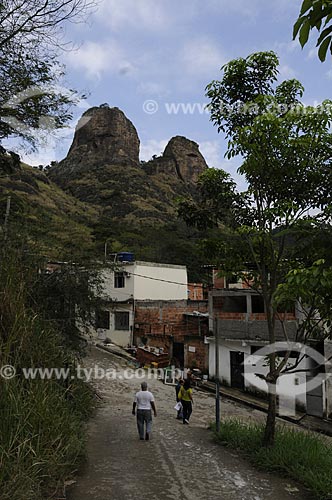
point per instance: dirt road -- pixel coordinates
(179, 462)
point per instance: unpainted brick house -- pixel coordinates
(178, 327)
(152, 304)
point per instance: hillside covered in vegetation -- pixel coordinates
(101, 195)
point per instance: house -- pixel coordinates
(150, 304)
(238, 318)
(178, 327)
(129, 282)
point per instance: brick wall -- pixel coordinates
(199, 358)
(195, 291)
(162, 323)
(218, 281)
(145, 357)
(167, 318)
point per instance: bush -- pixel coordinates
(41, 421)
(301, 455)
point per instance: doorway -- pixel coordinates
(237, 369)
(178, 354)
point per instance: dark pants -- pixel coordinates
(187, 409)
(144, 417)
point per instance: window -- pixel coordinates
(119, 279)
(103, 320)
(121, 320)
(232, 303)
(257, 304)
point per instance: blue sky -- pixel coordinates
(166, 51)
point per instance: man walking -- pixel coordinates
(144, 401)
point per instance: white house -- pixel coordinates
(237, 316)
(240, 367)
(129, 282)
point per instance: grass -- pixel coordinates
(42, 422)
(302, 456)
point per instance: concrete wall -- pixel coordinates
(120, 294)
(168, 282)
(147, 281)
(290, 387)
(328, 385)
(122, 338)
(237, 319)
(143, 281)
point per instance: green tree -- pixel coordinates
(315, 14)
(31, 35)
(286, 150)
(309, 287)
(67, 296)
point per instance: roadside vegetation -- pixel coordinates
(41, 421)
(300, 455)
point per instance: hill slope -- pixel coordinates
(102, 194)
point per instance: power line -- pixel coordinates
(164, 281)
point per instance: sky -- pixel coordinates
(154, 58)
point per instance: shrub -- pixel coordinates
(41, 421)
(301, 455)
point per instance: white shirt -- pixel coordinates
(143, 400)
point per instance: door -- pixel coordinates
(237, 369)
(315, 397)
(178, 354)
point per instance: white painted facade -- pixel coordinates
(291, 388)
(148, 281)
(132, 281)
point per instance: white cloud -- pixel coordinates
(287, 47)
(211, 152)
(242, 7)
(120, 14)
(312, 53)
(97, 58)
(202, 57)
(231, 166)
(286, 71)
(153, 89)
(152, 147)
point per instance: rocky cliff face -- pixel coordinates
(181, 158)
(104, 136)
(103, 168)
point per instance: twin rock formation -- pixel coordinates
(103, 168)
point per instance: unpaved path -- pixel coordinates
(179, 462)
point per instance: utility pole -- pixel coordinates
(217, 374)
(5, 227)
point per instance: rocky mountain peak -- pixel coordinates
(105, 136)
(189, 161)
(102, 167)
(181, 158)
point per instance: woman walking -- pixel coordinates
(186, 397)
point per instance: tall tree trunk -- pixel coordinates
(270, 425)
(272, 377)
